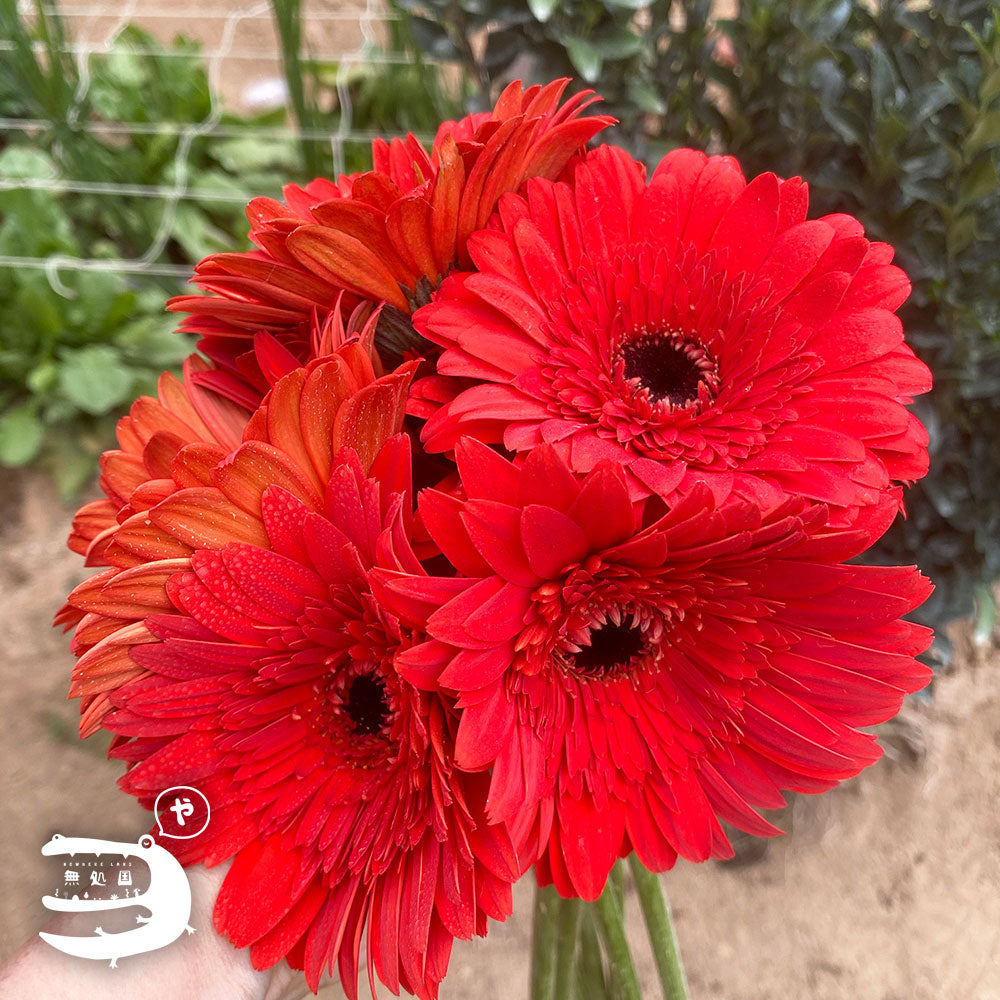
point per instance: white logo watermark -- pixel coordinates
(181, 808)
(181, 813)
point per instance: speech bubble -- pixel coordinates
(184, 814)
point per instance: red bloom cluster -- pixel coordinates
(555, 572)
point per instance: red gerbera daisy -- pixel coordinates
(267, 681)
(173, 449)
(631, 685)
(696, 330)
(386, 235)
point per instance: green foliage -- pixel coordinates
(393, 90)
(288, 22)
(651, 62)
(894, 116)
(67, 362)
(76, 346)
(163, 96)
(891, 111)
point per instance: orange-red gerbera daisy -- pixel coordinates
(631, 685)
(387, 235)
(696, 330)
(174, 454)
(173, 440)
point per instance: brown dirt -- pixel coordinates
(886, 889)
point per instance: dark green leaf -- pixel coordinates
(986, 132)
(585, 58)
(432, 38)
(543, 9)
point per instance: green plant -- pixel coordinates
(76, 344)
(633, 52)
(288, 22)
(67, 362)
(893, 114)
(393, 90)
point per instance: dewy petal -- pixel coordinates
(683, 329)
(238, 641)
(652, 676)
(272, 686)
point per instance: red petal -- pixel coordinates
(552, 541)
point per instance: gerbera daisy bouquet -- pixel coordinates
(505, 527)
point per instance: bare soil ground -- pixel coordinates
(887, 889)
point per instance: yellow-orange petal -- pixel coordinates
(90, 520)
(121, 473)
(203, 518)
(284, 424)
(132, 593)
(91, 630)
(408, 225)
(345, 261)
(255, 466)
(445, 203)
(367, 225)
(194, 463)
(368, 419)
(108, 665)
(145, 541)
(323, 393)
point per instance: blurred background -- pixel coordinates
(132, 134)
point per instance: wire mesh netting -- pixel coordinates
(133, 134)
(237, 49)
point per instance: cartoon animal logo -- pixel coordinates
(168, 900)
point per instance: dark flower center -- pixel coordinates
(611, 650)
(666, 366)
(395, 336)
(367, 705)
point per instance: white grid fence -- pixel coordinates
(94, 28)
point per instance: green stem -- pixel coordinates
(288, 23)
(543, 943)
(616, 879)
(590, 982)
(569, 929)
(656, 912)
(611, 923)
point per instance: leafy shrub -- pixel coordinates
(392, 90)
(894, 116)
(67, 361)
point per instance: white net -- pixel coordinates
(239, 49)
